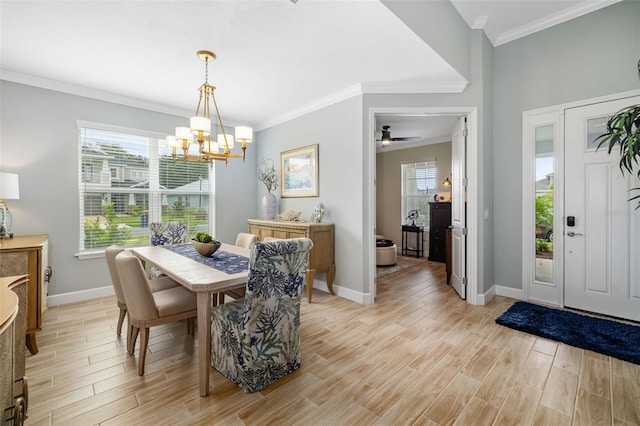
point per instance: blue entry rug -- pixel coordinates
(221, 260)
(604, 336)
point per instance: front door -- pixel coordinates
(458, 208)
(601, 228)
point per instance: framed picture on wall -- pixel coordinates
(299, 172)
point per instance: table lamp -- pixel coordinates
(9, 190)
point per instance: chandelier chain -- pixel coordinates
(206, 70)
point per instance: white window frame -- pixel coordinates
(424, 219)
(155, 193)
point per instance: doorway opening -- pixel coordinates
(377, 117)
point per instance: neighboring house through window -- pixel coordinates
(418, 188)
(127, 179)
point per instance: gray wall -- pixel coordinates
(590, 56)
(389, 184)
(440, 25)
(39, 142)
(337, 131)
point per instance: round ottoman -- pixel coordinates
(386, 253)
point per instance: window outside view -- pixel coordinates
(418, 188)
(544, 204)
(127, 181)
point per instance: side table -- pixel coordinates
(418, 249)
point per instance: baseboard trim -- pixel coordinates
(343, 292)
(79, 296)
(96, 293)
(513, 293)
(487, 296)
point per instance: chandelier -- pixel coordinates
(199, 129)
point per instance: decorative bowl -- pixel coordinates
(206, 249)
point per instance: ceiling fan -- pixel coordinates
(387, 139)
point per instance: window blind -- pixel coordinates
(127, 180)
(418, 188)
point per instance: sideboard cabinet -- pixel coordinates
(28, 255)
(321, 256)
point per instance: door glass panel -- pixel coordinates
(544, 194)
(595, 127)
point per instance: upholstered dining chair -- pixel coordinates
(162, 234)
(147, 308)
(158, 284)
(256, 340)
(242, 240)
(246, 240)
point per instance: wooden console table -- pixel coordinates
(321, 256)
(28, 255)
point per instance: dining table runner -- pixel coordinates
(221, 260)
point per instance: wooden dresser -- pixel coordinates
(28, 255)
(13, 383)
(321, 256)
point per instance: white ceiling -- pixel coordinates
(276, 59)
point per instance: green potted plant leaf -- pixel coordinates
(623, 129)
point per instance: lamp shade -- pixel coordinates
(9, 187)
(244, 134)
(184, 133)
(172, 142)
(200, 124)
(229, 140)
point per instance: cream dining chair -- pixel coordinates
(245, 240)
(147, 308)
(157, 284)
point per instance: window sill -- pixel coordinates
(86, 255)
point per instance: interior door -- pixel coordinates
(602, 228)
(458, 208)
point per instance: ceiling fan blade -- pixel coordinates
(409, 138)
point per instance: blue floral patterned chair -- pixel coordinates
(256, 340)
(164, 233)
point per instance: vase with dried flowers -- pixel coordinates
(269, 177)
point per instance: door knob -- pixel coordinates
(573, 234)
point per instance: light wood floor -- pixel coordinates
(418, 356)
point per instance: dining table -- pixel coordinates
(226, 269)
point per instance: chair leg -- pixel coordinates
(131, 345)
(191, 322)
(144, 342)
(123, 313)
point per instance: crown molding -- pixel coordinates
(480, 22)
(73, 89)
(320, 103)
(550, 21)
(365, 89)
(349, 92)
